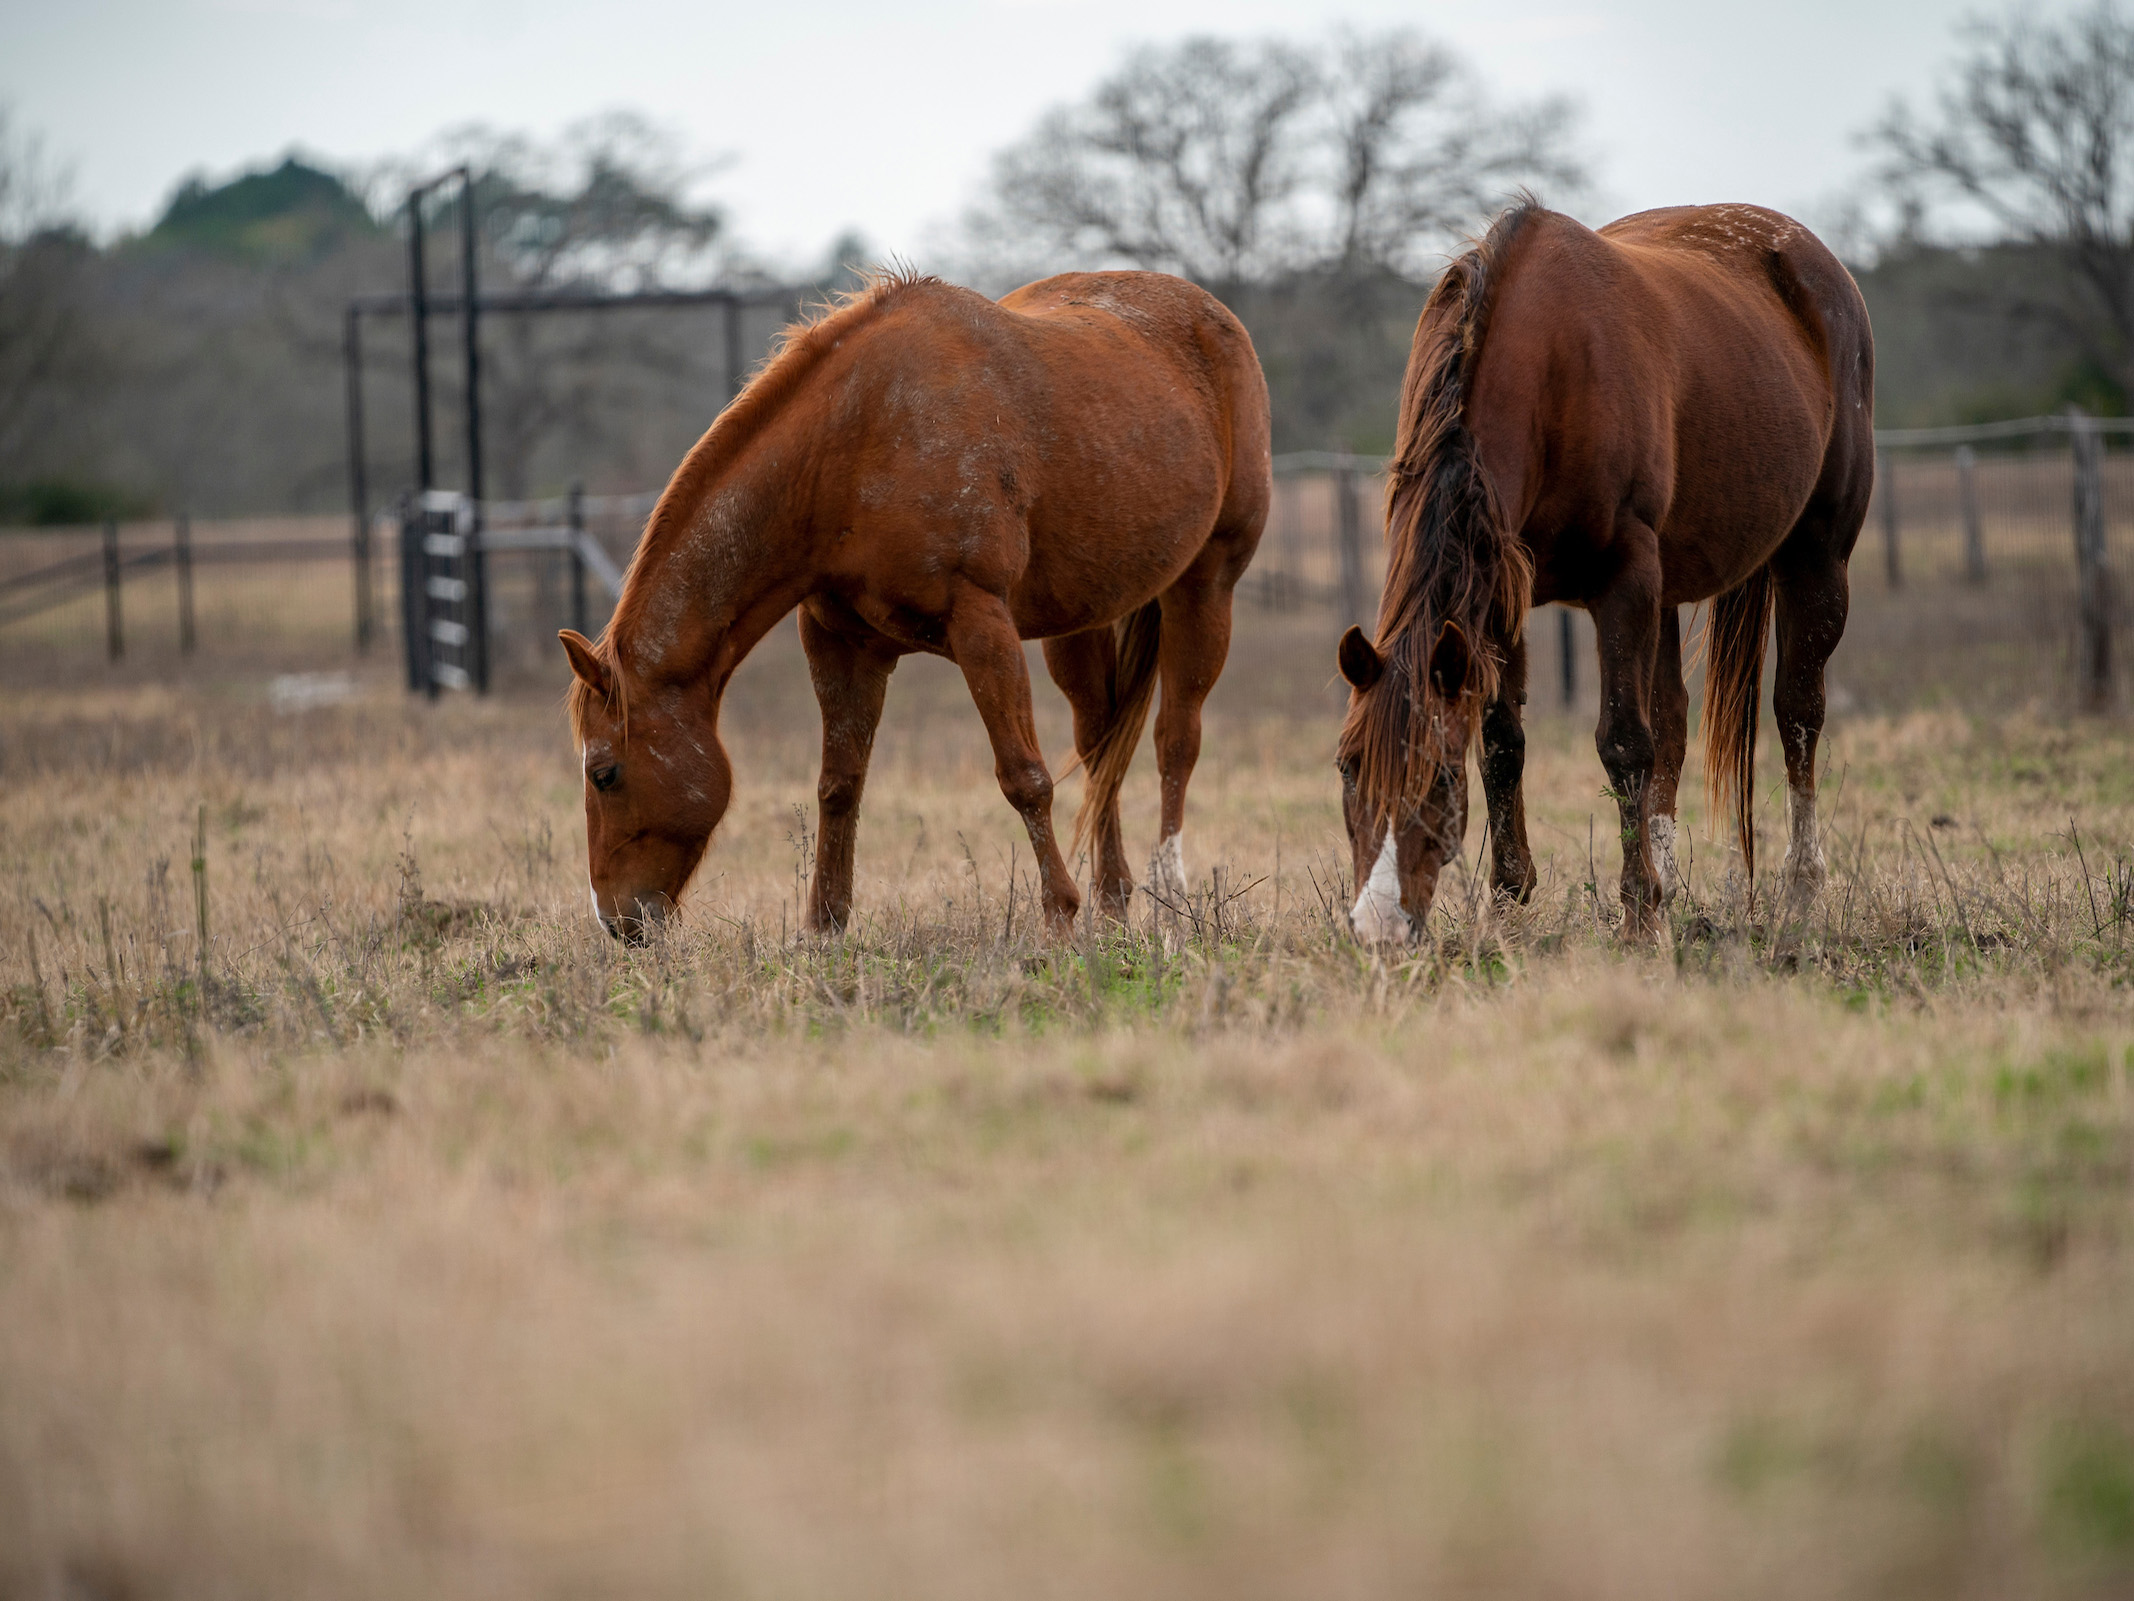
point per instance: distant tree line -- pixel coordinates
(1316, 186)
(198, 364)
(2005, 274)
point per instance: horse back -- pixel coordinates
(1109, 338)
(1705, 370)
(1076, 446)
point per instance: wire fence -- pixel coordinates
(1988, 576)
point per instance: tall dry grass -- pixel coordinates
(409, 1237)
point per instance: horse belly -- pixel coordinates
(1071, 585)
(1114, 534)
(1747, 455)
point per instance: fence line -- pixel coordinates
(1992, 576)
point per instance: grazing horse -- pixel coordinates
(1677, 408)
(1085, 462)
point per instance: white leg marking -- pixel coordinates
(1167, 871)
(1377, 916)
(1663, 854)
(1805, 866)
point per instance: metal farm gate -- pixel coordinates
(456, 554)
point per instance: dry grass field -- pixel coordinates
(409, 1238)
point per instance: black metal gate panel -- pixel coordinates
(444, 590)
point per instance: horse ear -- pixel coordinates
(1450, 661)
(1358, 659)
(586, 662)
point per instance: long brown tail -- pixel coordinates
(1133, 686)
(1734, 637)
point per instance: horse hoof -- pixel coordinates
(1804, 878)
(1662, 831)
(1641, 925)
(1515, 891)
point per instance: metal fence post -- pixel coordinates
(1348, 522)
(361, 556)
(1967, 505)
(1568, 648)
(577, 522)
(419, 319)
(2093, 647)
(114, 632)
(475, 570)
(414, 607)
(1886, 482)
(358, 480)
(182, 560)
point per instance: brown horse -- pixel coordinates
(1085, 462)
(1677, 408)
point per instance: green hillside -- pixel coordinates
(291, 212)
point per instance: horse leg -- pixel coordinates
(1814, 593)
(1670, 731)
(851, 678)
(1196, 641)
(1627, 619)
(1084, 666)
(1511, 861)
(983, 641)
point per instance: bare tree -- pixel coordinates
(2034, 136)
(607, 204)
(1182, 160)
(39, 258)
(1417, 155)
(1235, 163)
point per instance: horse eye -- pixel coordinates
(604, 777)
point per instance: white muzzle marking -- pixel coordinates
(1377, 916)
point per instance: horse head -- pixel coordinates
(1403, 762)
(656, 784)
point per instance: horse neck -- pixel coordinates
(720, 569)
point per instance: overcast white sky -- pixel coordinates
(880, 114)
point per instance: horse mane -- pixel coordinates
(1451, 558)
(796, 352)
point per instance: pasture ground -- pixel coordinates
(420, 1241)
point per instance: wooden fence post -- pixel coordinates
(1886, 482)
(1289, 498)
(182, 559)
(1974, 525)
(2093, 646)
(114, 631)
(577, 522)
(1348, 515)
